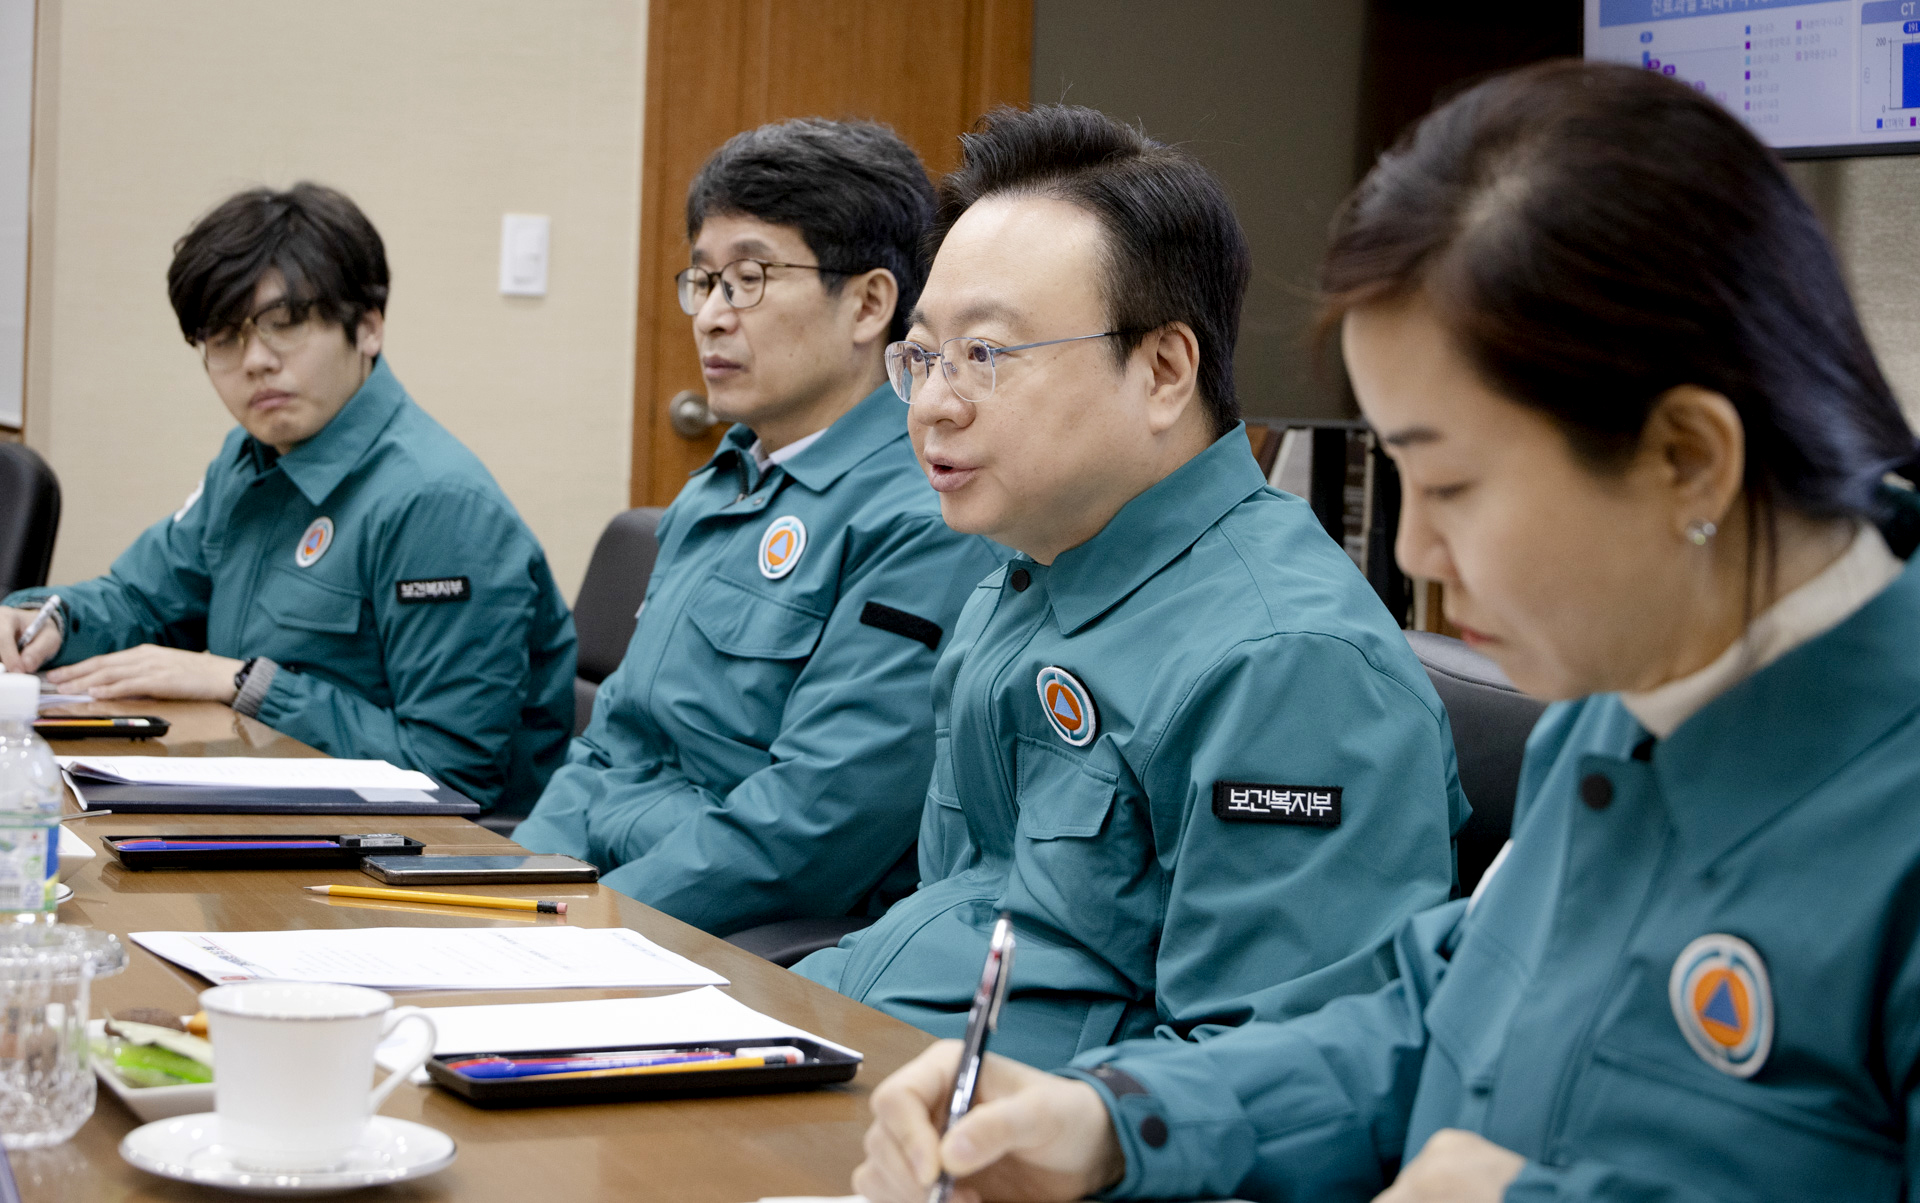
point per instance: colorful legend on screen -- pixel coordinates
(1831, 73)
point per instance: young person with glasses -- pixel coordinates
(762, 752)
(1179, 737)
(1646, 447)
(345, 571)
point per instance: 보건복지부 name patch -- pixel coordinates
(1255, 802)
(444, 589)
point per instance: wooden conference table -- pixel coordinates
(728, 1150)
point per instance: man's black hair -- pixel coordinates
(854, 190)
(325, 249)
(1174, 251)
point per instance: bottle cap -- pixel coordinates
(19, 697)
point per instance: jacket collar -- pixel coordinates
(317, 466)
(876, 421)
(1767, 742)
(1152, 530)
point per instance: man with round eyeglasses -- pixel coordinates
(761, 754)
(345, 570)
(1180, 739)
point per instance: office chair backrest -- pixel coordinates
(1491, 720)
(29, 517)
(609, 600)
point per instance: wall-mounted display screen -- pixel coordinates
(1826, 77)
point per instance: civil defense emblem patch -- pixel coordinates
(781, 545)
(1724, 1003)
(1068, 705)
(314, 543)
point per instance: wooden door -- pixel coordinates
(716, 67)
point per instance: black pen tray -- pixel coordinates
(340, 856)
(824, 1065)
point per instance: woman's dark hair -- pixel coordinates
(854, 190)
(325, 249)
(1593, 235)
(1173, 252)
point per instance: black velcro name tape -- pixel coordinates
(901, 623)
(1256, 802)
(444, 589)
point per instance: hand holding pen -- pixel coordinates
(36, 622)
(1013, 1132)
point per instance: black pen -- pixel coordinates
(982, 1019)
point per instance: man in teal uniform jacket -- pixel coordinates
(762, 751)
(1179, 738)
(346, 571)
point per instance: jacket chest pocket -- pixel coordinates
(1060, 796)
(742, 668)
(742, 623)
(305, 603)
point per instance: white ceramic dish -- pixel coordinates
(150, 1102)
(187, 1148)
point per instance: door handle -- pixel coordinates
(689, 416)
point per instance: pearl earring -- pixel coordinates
(1700, 530)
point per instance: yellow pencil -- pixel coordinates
(503, 904)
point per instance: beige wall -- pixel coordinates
(1266, 95)
(437, 116)
(1868, 205)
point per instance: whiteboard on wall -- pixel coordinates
(16, 160)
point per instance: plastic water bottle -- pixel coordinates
(29, 805)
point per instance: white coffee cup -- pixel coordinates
(292, 1063)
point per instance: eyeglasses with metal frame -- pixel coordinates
(281, 326)
(743, 283)
(969, 368)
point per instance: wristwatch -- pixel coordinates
(240, 678)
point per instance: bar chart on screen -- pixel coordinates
(1890, 65)
(1815, 76)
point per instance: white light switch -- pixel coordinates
(523, 254)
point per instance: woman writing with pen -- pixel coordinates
(1645, 446)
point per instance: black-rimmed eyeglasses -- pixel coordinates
(743, 283)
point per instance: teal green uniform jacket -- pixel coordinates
(382, 654)
(1695, 977)
(1224, 686)
(762, 751)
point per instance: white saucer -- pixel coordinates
(188, 1149)
(61, 892)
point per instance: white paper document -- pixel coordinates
(245, 772)
(51, 701)
(695, 1017)
(434, 958)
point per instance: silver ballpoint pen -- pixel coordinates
(48, 609)
(982, 1019)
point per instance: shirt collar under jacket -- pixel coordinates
(876, 421)
(1085, 582)
(1777, 734)
(764, 460)
(317, 466)
(1817, 606)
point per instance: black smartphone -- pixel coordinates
(477, 870)
(102, 726)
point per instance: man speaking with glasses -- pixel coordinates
(1183, 743)
(345, 571)
(761, 754)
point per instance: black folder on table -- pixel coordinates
(247, 800)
